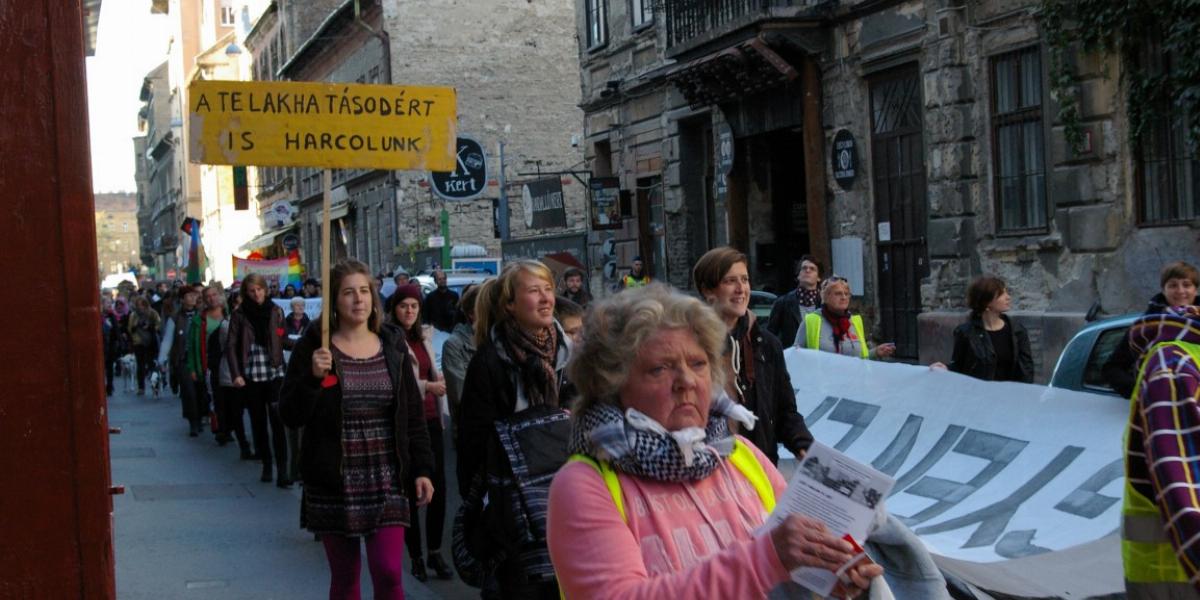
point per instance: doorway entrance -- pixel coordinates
(898, 177)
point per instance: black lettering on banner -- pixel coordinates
(202, 102)
(340, 141)
(291, 141)
(414, 107)
(223, 96)
(1016, 544)
(357, 103)
(822, 408)
(344, 106)
(892, 457)
(327, 141)
(356, 142)
(235, 102)
(247, 142)
(858, 415)
(997, 450)
(943, 445)
(1087, 501)
(331, 98)
(994, 518)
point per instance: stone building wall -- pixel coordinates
(1091, 250)
(513, 65)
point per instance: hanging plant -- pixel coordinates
(1134, 30)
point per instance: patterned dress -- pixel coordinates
(372, 495)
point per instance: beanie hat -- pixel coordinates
(408, 290)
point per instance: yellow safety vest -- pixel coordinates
(812, 331)
(743, 460)
(1151, 568)
(636, 282)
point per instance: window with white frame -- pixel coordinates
(597, 22)
(227, 13)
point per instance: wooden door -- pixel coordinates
(898, 183)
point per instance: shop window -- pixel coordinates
(597, 22)
(642, 12)
(1017, 143)
(1168, 165)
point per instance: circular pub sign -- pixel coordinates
(845, 159)
(469, 178)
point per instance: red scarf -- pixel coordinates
(841, 326)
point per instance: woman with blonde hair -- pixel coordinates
(835, 328)
(365, 441)
(522, 354)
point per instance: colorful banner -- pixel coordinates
(984, 471)
(279, 271)
(192, 259)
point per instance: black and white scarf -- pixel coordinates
(635, 444)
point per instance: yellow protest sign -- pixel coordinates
(309, 124)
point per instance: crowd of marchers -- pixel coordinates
(617, 447)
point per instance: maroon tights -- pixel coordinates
(385, 559)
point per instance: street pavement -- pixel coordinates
(195, 522)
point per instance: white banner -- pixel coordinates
(312, 306)
(984, 471)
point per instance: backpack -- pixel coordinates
(526, 451)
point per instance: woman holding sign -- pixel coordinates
(660, 500)
(364, 435)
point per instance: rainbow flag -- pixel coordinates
(295, 273)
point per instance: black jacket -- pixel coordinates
(440, 309)
(303, 402)
(974, 355)
(489, 393)
(786, 315)
(1120, 370)
(773, 400)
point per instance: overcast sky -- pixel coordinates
(130, 43)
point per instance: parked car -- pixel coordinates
(1079, 366)
(761, 303)
(456, 279)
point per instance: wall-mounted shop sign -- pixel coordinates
(469, 178)
(543, 204)
(605, 207)
(845, 159)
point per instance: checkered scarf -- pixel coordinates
(638, 445)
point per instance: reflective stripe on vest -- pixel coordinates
(743, 460)
(1151, 565)
(812, 331)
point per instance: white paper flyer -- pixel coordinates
(838, 491)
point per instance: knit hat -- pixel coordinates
(408, 290)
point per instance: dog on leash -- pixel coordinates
(158, 380)
(128, 371)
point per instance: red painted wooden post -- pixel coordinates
(55, 510)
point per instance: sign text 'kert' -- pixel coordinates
(324, 125)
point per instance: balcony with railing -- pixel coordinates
(693, 23)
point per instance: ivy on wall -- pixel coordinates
(1132, 30)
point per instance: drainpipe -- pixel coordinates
(392, 183)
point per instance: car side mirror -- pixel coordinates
(1093, 313)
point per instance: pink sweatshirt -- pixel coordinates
(683, 540)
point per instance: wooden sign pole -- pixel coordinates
(326, 308)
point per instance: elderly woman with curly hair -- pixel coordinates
(660, 500)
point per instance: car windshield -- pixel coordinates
(1093, 376)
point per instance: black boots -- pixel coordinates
(418, 569)
(266, 474)
(439, 566)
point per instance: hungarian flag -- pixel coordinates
(192, 260)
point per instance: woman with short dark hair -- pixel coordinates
(989, 345)
(1178, 282)
(756, 374)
